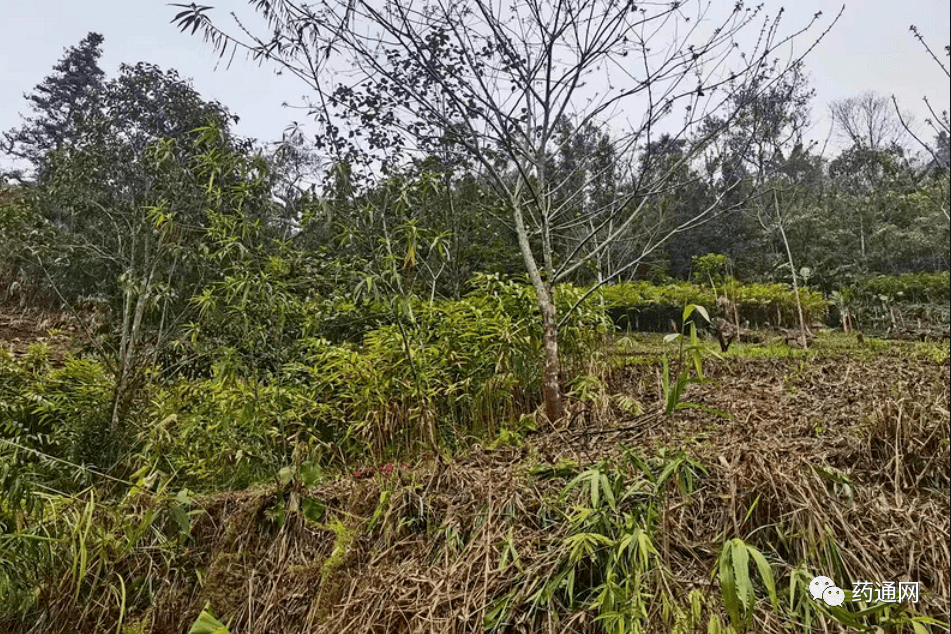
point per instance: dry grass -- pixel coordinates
(837, 466)
(829, 465)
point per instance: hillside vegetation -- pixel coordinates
(479, 356)
(794, 463)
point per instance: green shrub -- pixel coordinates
(223, 432)
(445, 370)
(883, 301)
(436, 373)
(906, 288)
(53, 416)
(712, 268)
(645, 306)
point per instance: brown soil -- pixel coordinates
(19, 330)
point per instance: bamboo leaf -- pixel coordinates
(208, 624)
(766, 574)
(744, 585)
(728, 583)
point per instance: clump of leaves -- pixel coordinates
(690, 357)
(736, 582)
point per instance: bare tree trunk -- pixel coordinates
(792, 268)
(551, 387)
(862, 238)
(551, 366)
(795, 285)
(131, 334)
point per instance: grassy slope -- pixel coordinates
(835, 461)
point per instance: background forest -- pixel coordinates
(191, 315)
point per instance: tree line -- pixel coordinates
(566, 142)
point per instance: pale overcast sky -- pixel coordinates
(871, 48)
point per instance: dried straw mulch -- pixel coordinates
(836, 452)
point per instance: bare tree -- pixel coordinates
(939, 123)
(868, 121)
(496, 80)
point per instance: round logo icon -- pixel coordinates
(833, 596)
(819, 585)
(824, 589)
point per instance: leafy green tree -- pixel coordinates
(93, 193)
(857, 175)
(942, 149)
(888, 211)
(589, 182)
(762, 151)
(64, 103)
(130, 202)
(675, 209)
(296, 169)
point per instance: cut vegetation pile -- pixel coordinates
(830, 464)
